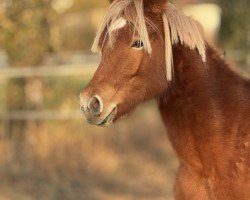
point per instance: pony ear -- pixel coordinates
(155, 6)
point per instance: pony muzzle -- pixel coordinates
(94, 112)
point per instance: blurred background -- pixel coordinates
(47, 151)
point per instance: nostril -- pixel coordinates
(95, 105)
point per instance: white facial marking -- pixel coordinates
(118, 24)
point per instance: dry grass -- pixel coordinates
(73, 160)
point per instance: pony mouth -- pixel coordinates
(105, 121)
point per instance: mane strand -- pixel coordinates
(133, 12)
(109, 18)
(178, 28)
(168, 49)
(186, 30)
(141, 26)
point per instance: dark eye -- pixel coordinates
(137, 44)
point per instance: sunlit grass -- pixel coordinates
(129, 160)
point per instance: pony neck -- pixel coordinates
(191, 93)
(204, 106)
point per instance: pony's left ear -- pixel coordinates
(155, 6)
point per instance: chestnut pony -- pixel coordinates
(150, 50)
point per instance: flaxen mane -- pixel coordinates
(177, 26)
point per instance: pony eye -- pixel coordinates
(137, 44)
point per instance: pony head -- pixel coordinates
(135, 40)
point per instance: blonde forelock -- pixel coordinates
(178, 28)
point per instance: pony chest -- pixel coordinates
(186, 147)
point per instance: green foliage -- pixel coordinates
(25, 31)
(235, 27)
(62, 93)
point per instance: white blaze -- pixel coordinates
(118, 24)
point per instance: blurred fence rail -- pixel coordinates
(83, 70)
(41, 115)
(63, 70)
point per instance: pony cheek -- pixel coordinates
(128, 102)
